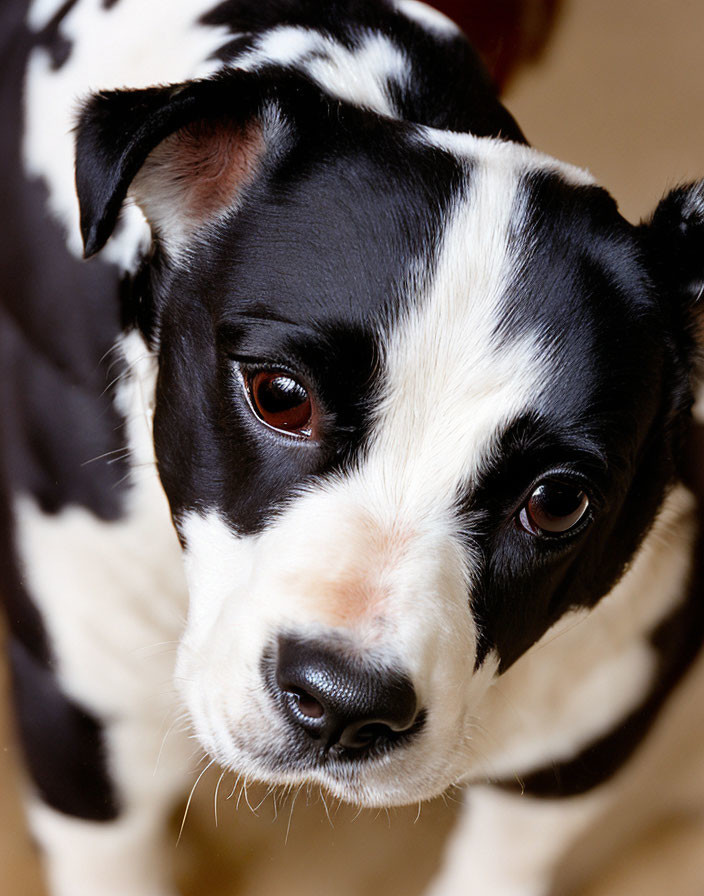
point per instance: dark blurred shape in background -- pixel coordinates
(507, 33)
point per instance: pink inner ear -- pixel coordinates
(197, 174)
(216, 160)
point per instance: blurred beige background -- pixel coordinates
(620, 91)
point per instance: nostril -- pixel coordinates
(342, 702)
(306, 704)
(357, 737)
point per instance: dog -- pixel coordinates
(407, 400)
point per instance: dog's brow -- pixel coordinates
(258, 332)
(258, 314)
(531, 432)
(536, 447)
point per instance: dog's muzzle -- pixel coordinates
(340, 707)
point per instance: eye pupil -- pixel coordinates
(281, 402)
(553, 508)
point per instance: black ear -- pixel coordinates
(675, 236)
(206, 127)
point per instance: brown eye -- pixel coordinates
(553, 508)
(281, 402)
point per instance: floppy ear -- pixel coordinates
(184, 151)
(674, 240)
(675, 235)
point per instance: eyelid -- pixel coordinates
(597, 500)
(244, 368)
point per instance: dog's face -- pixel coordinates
(417, 399)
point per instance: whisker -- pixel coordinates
(246, 795)
(327, 812)
(234, 787)
(357, 813)
(190, 798)
(276, 807)
(262, 801)
(290, 814)
(119, 452)
(215, 798)
(178, 720)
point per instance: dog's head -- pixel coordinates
(419, 395)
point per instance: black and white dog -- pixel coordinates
(418, 399)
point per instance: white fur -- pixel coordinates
(360, 76)
(108, 51)
(432, 19)
(604, 658)
(507, 844)
(513, 156)
(113, 602)
(375, 556)
(417, 619)
(41, 12)
(451, 386)
(77, 567)
(127, 856)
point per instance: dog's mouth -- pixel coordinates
(320, 719)
(368, 779)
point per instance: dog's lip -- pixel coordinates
(354, 780)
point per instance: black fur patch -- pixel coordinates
(305, 276)
(51, 38)
(58, 320)
(601, 420)
(678, 641)
(62, 743)
(447, 85)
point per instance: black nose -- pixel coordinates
(341, 702)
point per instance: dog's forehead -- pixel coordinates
(460, 362)
(450, 379)
(353, 231)
(534, 306)
(446, 284)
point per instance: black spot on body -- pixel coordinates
(62, 743)
(51, 38)
(58, 320)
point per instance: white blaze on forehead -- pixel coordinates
(449, 383)
(360, 76)
(518, 156)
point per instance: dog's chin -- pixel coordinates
(372, 784)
